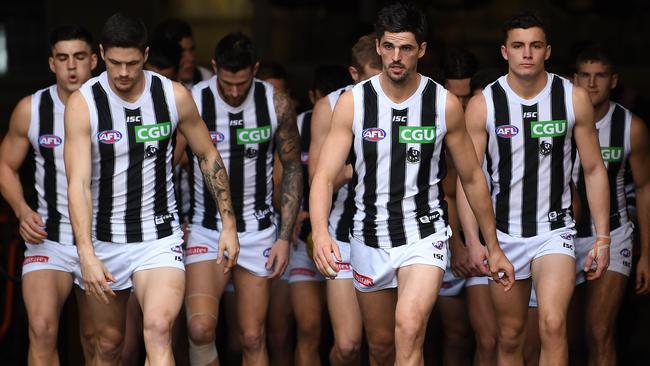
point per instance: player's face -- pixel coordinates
(399, 54)
(72, 62)
(597, 79)
(526, 50)
(188, 59)
(460, 88)
(234, 86)
(124, 66)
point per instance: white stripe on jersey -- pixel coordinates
(47, 109)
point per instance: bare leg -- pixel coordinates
(483, 319)
(346, 322)
(307, 302)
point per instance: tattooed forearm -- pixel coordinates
(216, 181)
(288, 146)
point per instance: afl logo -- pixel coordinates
(626, 253)
(216, 136)
(50, 141)
(506, 131)
(373, 134)
(109, 136)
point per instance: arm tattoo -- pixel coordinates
(287, 140)
(216, 181)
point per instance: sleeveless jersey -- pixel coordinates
(132, 147)
(244, 137)
(530, 155)
(340, 221)
(614, 131)
(46, 135)
(398, 159)
(304, 128)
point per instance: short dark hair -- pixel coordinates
(328, 78)
(173, 29)
(164, 53)
(401, 17)
(459, 64)
(235, 52)
(596, 53)
(125, 32)
(70, 32)
(365, 53)
(483, 78)
(272, 70)
(525, 20)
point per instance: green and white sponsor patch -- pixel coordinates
(156, 132)
(256, 135)
(611, 154)
(548, 128)
(417, 134)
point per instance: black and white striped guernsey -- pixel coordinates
(46, 135)
(244, 137)
(340, 220)
(304, 128)
(398, 164)
(530, 155)
(614, 131)
(132, 149)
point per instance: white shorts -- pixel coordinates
(620, 252)
(345, 269)
(124, 259)
(477, 281)
(51, 255)
(301, 268)
(254, 249)
(451, 285)
(522, 251)
(375, 269)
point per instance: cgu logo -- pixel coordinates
(399, 119)
(506, 131)
(50, 141)
(417, 134)
(548, 128)
(216, 136)
(157, 132)
(373, 134)
(529, 115)
(611, 154)
(109, 136)
(253, 135)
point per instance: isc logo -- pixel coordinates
(399, 119)
(50, 141)
(548, 128)
(109, 136)
(529, 115)
(373, 134)
(236, 122)
(131, 119)
(506, 131)
(216, 136)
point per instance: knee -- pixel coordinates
(511, 339)
(201, 329)
(409, 328)
(381, 346)
(458, 339)
(309, 331)
(108, 344)
(486, 343)
(157, 329)
(43, 331)
(599, 333)
(252, 340)
(348, 349)
(552, 327)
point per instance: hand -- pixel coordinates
(478, 256)
(324, 246)
(228, 242)
(96, 278)
(643, 276)
(499, 264)
(600, 254)
(278, 258)
(302, 216)
(460, 261)
(32, 227)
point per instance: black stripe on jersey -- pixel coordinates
(427, 118)
(616, 139)
(583, 225)
(558, 112)
(161, 206)
(236, 169)
(262, 116)
(344, 225)
(106, 166)
(502, 118)
(397, 176)
(190, 184)
(369, 148)
(134, 178)
(305, 140)
(531, 169)
(209, 114)
(46, 127)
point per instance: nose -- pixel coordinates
(397, 55)
(72, 63)
(528, 53)
(234, 91)
(123, 70)
(592, 80)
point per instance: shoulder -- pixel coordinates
(21, 115)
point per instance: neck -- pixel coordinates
(63, 94)
(133, 94)
(399, 92)
(601, 110)
(527, 88)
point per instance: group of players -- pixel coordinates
(372, 188)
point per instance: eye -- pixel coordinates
(81, 57)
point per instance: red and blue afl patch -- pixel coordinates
(373, 134)
(49, 141)
(506, 131)
(109, 136)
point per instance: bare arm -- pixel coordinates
(596, 182)
(459, 255)
(12, 154)
(639, 164)
(475, 189)
(214, 172)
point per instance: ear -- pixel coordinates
(575, 78)
(214, 66)
(102, 52)
(50, 61)
(146, 54)
(354, 74)
(312, 96)
(93, 61)
(377, 46)
(504, 54)
(422, 49)
(614, 82)
(548, 52)
(255, 68)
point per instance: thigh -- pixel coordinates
(160, 292)
(418, 289)
(554, 278)
(511, 307)
(307, 302)
(604, 297)
(205, 283)
(105, 320)
(453, 311)
(378, 313)
(344, 311)
(480, 310)
(45, 292)
(252, 296)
